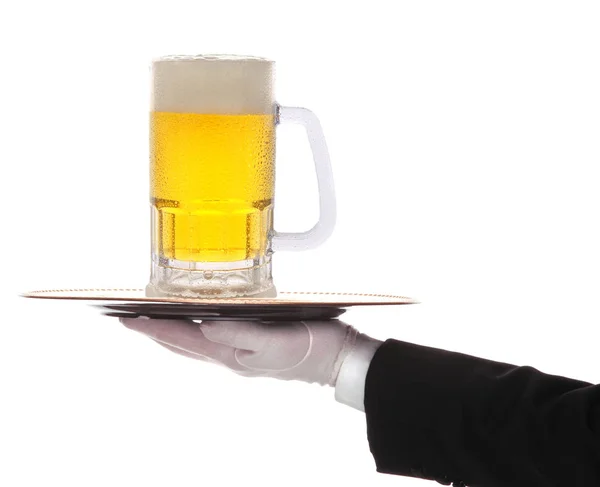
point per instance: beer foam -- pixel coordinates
(215, 84)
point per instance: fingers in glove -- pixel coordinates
(244, 335)
(185, 336)
(179, 351)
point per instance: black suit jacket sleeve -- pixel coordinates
(451, 417)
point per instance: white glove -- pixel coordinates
(326, 352)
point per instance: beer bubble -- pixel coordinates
(208, 275)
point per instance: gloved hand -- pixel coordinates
(326, 352)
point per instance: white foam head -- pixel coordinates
(219, 84)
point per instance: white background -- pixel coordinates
(465, 143)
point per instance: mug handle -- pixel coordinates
(327, 206)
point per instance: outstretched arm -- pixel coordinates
(430, 413)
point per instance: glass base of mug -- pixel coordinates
(171, 277)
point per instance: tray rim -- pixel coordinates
(394, 300)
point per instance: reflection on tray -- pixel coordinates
(181, 311)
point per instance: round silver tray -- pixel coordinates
(298, 305)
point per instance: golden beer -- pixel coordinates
(212, 185)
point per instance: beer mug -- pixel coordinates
(212, 177)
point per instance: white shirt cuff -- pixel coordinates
(350, 384)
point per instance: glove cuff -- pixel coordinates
(350, 383)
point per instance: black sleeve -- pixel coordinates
(454, 418)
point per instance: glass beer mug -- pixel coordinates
(212, 177)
